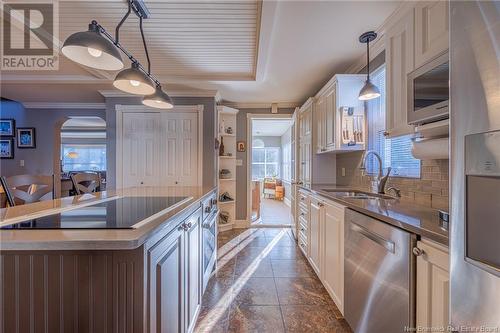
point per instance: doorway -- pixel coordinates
(270, 165)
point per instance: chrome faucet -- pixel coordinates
(380, 179)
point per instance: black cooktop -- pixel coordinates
(119, 213)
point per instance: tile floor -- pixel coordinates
(274, 212)
(264, 284)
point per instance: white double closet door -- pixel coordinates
(159, 149)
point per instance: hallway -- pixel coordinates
(264, 284)
(274, 212)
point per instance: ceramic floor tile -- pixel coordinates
(255, 318)
(302, 291)
(292, 268)
(225, 268)
(219, 292)
(212, 320)
(256, 268)
(255, 291)
(285, 252)
(312, 318)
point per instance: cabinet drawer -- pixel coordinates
(303, 224)
(303, 197)
(302, 243)
(303, 212)
(209, 205)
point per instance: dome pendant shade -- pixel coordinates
(133, 81)
(369, 91)
(159, 99)
(91, 49)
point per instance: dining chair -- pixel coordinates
(24, 189)
(86, 182)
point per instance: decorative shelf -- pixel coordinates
(226, 202)
(227, 179)
(227, 157)
(226, 134)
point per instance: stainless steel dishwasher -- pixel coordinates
(379, 274)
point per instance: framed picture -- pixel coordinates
(7, 127)
(240, 146)
(6, 148)
(26, 137)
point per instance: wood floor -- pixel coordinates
(264, 284)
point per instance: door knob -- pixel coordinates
(142, 183)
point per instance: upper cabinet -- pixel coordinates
(305, 143)
(399, 62)
(431, 30)
(336, 130)
(417, 38)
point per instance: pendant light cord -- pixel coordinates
(145, 45)
(117, 30)
(368, 59)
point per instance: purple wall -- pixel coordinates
(41, 159)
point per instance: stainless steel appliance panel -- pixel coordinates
(378, 275)
(428, 91)
(475, 108)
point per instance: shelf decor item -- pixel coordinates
(240, 145)
(26, 137)
(221, 147)
(6, 148)
(7, 127)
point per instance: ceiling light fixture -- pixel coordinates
(96, 48)
(369, 90)
(159, 99)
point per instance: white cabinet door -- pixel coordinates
(305, 146)
(320, 122)
(431, 30)
(333, 253)
(331, 111)
(399, 62)
(316, 213)
(433, 284)
(141, 149)
(181, 146)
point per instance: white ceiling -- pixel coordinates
(250, 51)
(270, 127)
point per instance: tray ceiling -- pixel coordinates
(188, 40)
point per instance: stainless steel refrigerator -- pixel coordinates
(475, 165)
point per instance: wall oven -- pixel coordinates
(209, 234)
(428, 92)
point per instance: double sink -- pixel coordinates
(355, 194)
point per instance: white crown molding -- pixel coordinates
(63, 105)
(171, 93)
(263, 105)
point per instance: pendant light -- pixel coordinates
(96, 48)
(133, 81)
(159, 99)
(91, 49)
(369, 90)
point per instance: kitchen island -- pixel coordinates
(148, 276)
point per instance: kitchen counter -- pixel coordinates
(95, 239)
(420, 220)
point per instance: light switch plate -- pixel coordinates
(239, 162)
(21, 163)
(343, 172)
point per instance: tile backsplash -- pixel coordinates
(432, 189)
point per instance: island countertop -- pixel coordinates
(94, 239)
(420, 220)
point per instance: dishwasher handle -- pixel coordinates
(389, 245)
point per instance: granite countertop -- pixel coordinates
(94, 239)
(420, 220)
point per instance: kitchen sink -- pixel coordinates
(355, 194)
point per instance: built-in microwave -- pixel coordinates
(428, 91)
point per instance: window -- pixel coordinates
(265, 162)
(395, 152)
(83, 157)
(287, 161)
